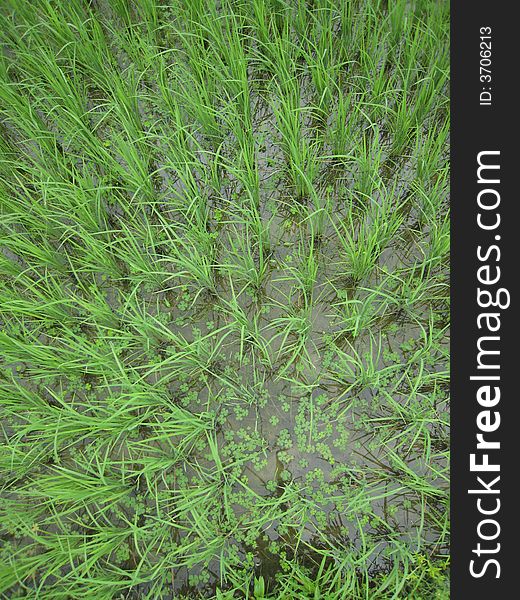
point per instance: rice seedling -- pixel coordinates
(224, 266)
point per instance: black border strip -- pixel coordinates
(477, 128)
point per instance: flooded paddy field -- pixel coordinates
(224, 300)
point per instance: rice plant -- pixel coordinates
(224, 308)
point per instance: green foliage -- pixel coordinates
(224, 304)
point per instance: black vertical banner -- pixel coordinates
(484, 251)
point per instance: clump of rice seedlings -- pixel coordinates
(224, 310)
